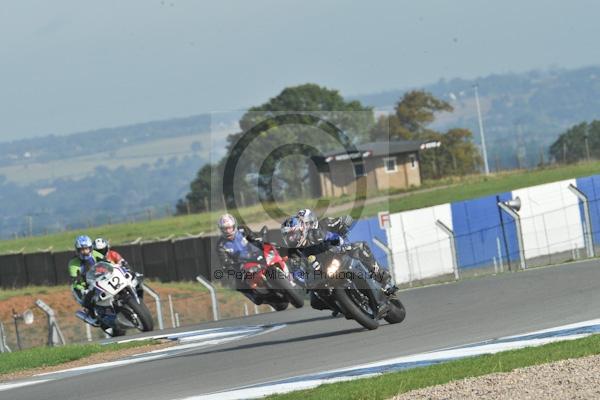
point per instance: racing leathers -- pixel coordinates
(114, 257)
(331, 232)
(244, 245)
(77, 270)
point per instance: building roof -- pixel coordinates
(376, 149)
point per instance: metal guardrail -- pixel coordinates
(156, 297)
(55, 336)
(213, 296)
(3, 346)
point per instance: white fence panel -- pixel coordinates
(550, 219)
(420, 249)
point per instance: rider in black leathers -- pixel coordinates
(305, 236)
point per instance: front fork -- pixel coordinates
(372, 290)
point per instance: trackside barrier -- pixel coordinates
(587, 226)
(515, 215)
(3, 346)
(213, 296)
(388, 253)
(555, 226)
(172, 312)
(450, 234)
(156, 297)
(55, 336)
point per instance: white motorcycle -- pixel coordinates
(117, 300)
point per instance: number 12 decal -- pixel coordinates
(115, 282)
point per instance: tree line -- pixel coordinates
(284, 122)
(578, 143)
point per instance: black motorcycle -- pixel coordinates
(345, 285)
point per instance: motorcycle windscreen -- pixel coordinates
(99, 269)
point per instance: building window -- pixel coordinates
(413, 160)
(390, 164)
(359, 169)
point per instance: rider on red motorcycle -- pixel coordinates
(237, 243)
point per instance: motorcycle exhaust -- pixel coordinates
(86, 318)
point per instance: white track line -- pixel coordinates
(192, 340)
(536, 338)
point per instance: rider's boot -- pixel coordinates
(88, 316)
(384, 277)
(389, 289)
(88, 305)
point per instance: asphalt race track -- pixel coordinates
(311, 341)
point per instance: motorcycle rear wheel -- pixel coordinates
(112, 332)
(280, 306)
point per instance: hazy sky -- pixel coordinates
(68, 66)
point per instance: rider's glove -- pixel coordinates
(125, 266)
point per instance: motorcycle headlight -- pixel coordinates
(333, 267)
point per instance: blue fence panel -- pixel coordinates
(590, 186)
(477, 225)
(364, 230)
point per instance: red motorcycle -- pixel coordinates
(269, 276)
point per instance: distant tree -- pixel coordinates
(416, 110)
(570, 146)
(281, 126)
(413, 113)
(200, 192)
(455, 156)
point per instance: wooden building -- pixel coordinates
(367, 168)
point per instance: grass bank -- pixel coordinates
(388, 385)
(49, 356)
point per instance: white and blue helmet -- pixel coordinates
(83, 242)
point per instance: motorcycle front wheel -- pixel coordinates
(397, 312)
(145, 322)
(294, 294)
(348, 303)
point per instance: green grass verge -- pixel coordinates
(189, 287)
(388, 385)
(49, 356)
(29, 291)
(455, 189)
(178, 226)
